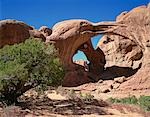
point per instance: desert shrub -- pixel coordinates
(127, 100)
(86, 96)
(142, 101)
(27, 65)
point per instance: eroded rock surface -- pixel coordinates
(123, 51)
(128, 46)
(73, 35)
(12, 31)
(124, 46)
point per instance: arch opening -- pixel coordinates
(95, 41)
(81, 59)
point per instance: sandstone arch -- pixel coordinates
(128, 36)
(72, 35)
(126, 43)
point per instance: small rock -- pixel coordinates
(120, 79)
(100, 81)
(105, 90)
(64, 105)
(116, 85)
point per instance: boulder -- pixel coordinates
(105, 87)
(116, 85)
(45, 31)
(120, 79)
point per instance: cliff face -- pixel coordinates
(129, 46)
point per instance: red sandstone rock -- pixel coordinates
(12, 31)
(82, 63)
(129, 46)
(124, 47)
(139, 81)
(45, 31)
(73, 35)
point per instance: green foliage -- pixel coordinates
(143, 101)
(128, 100)
(86, 96)
(27, 65)
(71, 94)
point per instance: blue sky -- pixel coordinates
(48, 12)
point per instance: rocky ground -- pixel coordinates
(82, 101)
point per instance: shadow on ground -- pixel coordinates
(64, 107)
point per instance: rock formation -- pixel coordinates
(124, 45)
(96, 57)
(12, 31)
(73, 35)
(45, 31)
(123, 51)
(83, 63)
(129, 46)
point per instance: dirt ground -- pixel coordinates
(68, 102)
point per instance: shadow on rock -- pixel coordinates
(115, 71)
